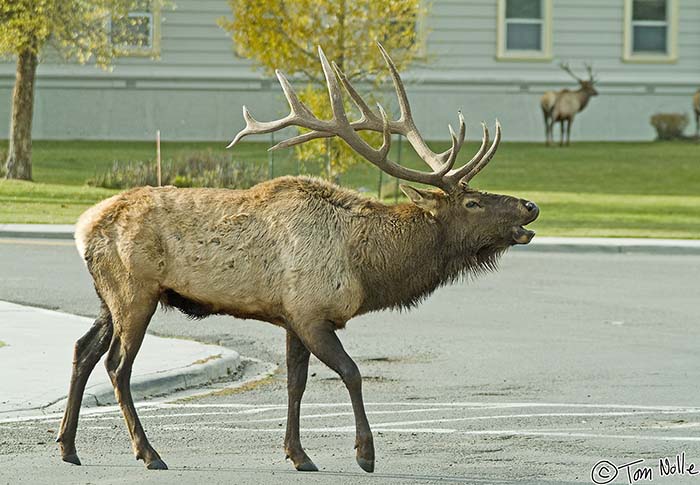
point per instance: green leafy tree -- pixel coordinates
(285, 33)
(78, 30)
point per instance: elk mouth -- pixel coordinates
(522, 235)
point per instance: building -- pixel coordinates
(490, 58)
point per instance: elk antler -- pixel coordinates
(589, 69)
(565, 67)
(442, 175)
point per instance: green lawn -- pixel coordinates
(589, 189)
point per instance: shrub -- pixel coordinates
(193, 169)
(669, 126)
(3, 159)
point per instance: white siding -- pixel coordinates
(196, 88)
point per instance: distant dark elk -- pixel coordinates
(296, 252)
(563, 105)
(696, 108)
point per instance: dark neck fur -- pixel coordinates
(402, 255)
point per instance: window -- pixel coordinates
(524, 29)
(138, 33)
(651, 28)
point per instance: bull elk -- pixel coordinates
(563, 105)
(297, 252)
(696, 108)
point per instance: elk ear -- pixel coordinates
(424, 199)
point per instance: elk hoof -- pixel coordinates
(71, 458)
(157, 465)
(365, 464)
(307, 466)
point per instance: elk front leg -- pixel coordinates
(568, 132)
(297, 371)
(87, 352)
(561, 129)
(129, 330)
(321, 340)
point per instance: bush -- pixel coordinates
(3, 159)
(669, 126)
(194, 169)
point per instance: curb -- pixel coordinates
(40, 231)
(161, 383)
(539, 244)
(613, 246)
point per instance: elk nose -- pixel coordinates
(530, 206)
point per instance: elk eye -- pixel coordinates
(471, 204)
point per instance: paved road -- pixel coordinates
(532, 374)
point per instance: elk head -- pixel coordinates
(586, 85)
(473, 220)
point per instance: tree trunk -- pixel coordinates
(19, 156)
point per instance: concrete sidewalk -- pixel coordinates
(542, 244)
(36, 362)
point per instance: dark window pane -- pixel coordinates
(132, 31)
(649, 39)
(649, 10)
(524, 9)
(526, 37)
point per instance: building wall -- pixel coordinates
(196, 88)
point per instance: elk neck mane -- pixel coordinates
(400, 253)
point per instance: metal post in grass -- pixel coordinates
(158, 169)
(396, 186)
(271, 158)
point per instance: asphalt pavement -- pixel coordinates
(533, 374)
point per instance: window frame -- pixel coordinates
(154, 15)
(504, 54)
(671, 23)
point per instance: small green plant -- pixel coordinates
(192, 169)
(669, 126)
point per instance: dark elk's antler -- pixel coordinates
(443, 175)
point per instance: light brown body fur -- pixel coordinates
(696, 109)
(296, 252)
(562, 106)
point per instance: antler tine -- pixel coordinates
(334, 93)
(589, 69)
(367, 114)
(459, 173)
(462, 135)
(486, 158)
(398, 86)
(295, 105)
(406, 125)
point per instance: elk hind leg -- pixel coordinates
(297, 371)
(130, 323)
(321, 340)
(568, 132)
(87, 352)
